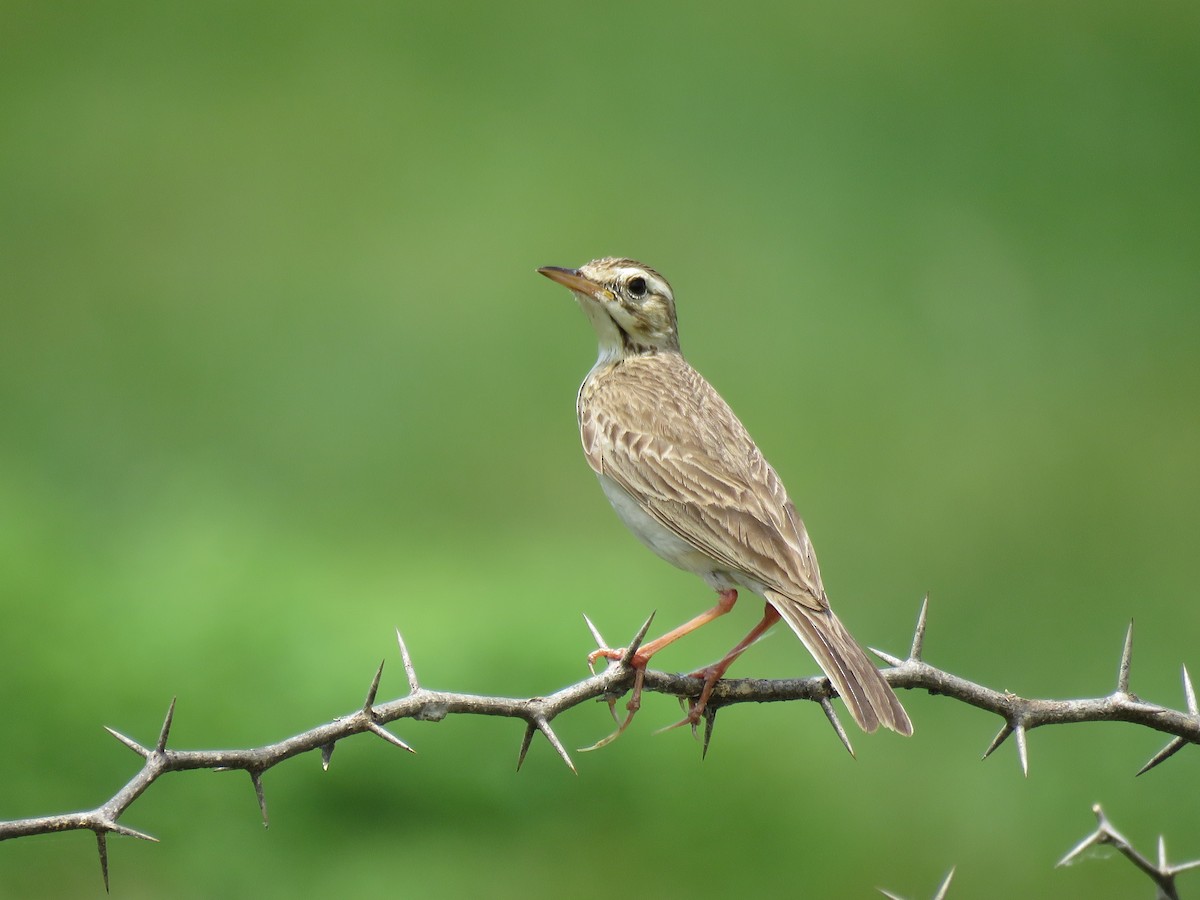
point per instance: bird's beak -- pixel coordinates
(572, 279)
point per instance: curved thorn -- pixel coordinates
(129, 742)
(256, 778)
(543, 725)
(596, 636)
(945, 886)
(1126, 661)
(1000, 738)
(918, 643)
(530, 730)
(1175, 745)
(161, 744)
(409, 669)
(831, 715)
(327, 754)
(1022, 750)
(376, 728)
(102, 846)
(637, 640)
(1190, 693)
(887, 657)
(373, 689)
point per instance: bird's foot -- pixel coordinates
(631, 708)
(696, 707)
(604, 653)
(637, 659)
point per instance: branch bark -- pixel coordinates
(1020, 715)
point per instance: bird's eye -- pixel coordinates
(636, 286)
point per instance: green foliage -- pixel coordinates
(277, 375)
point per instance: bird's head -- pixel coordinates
(629, 304)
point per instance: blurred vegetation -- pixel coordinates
(277, 375)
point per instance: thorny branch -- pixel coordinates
(1161, 873)
(1020, 716)
(942, 890)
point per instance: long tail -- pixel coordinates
(870, 699)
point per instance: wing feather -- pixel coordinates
(663, 433)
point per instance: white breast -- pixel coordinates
(664, 542)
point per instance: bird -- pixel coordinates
(683, 474)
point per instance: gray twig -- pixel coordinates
(1161, 873)
(1020, 716)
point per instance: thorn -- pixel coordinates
(1099, 836)
(129, 742)
(1173, 747)
(1126, 662)
(161, 745)
(376, 728)
(373, 689)
(889, 894)
(1022, 750)
(543, 725)
(887, 657)
(1000, 738)
(710, 721)
(326, 755)
(918, 644)
(256, 777)
(1162, 853)
(945, 886)
(831, 715)
(637, 640)
(596, 636)
(130, 832)
(530, 730)
(102, 846)
(600, 645)
(409, 670)
(1190, 693)
(1077, 849)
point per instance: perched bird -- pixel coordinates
(685, 477)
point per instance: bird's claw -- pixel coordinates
(604, 653)
(631, 708)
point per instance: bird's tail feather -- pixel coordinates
(870, 699)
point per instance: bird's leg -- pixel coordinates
(639, 659)
(712, 674)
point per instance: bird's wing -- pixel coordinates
(664, 434)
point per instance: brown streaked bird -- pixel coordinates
(686, 478)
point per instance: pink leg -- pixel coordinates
(712, 674)
(725, 602)
(643, 654)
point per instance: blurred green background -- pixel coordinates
(277, 376)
